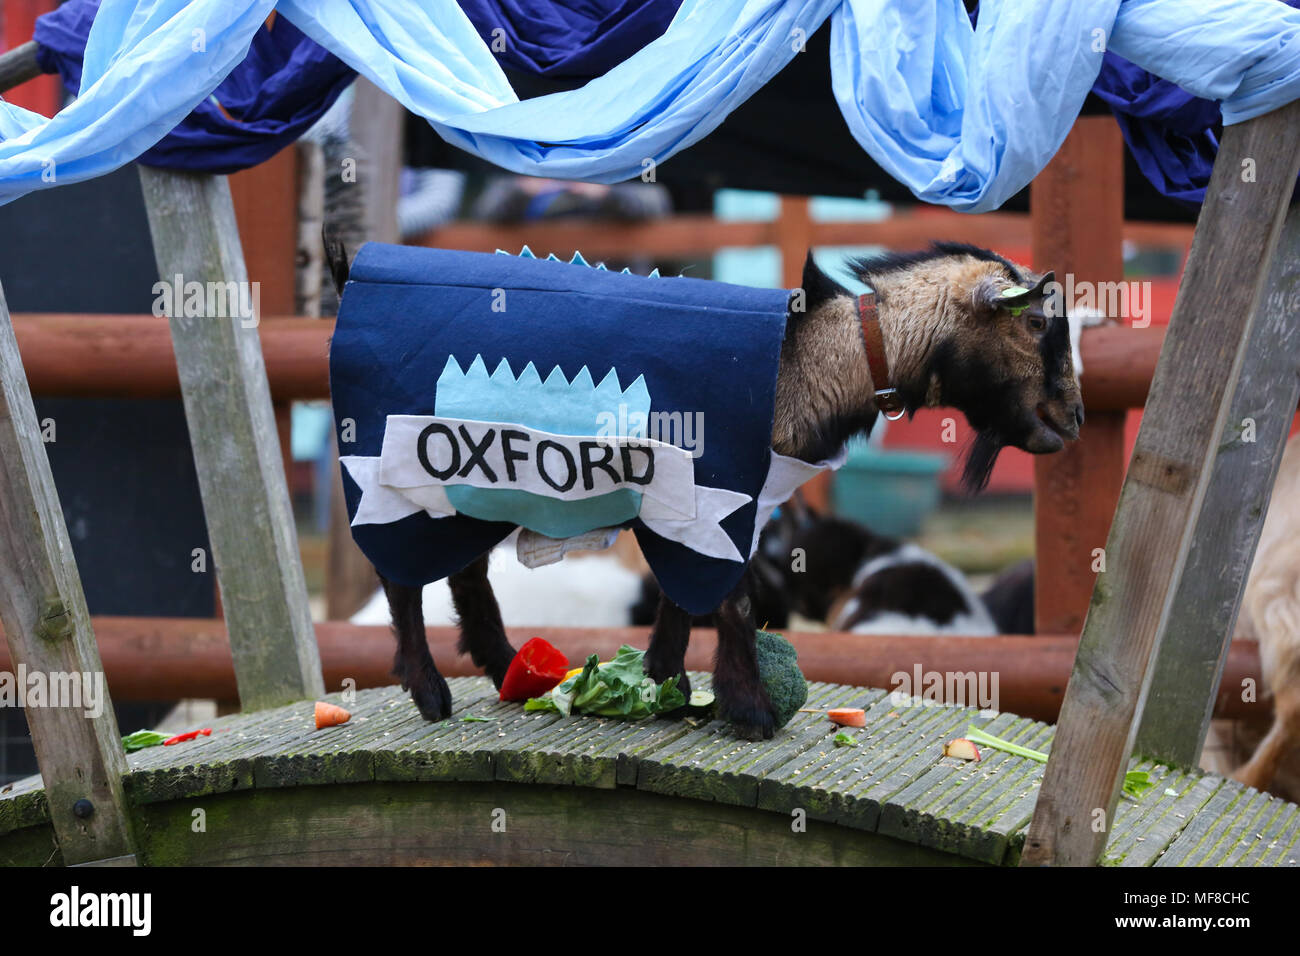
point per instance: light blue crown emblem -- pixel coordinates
(555, 405)
(576, 260)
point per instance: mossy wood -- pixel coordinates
(1202, 619)
(1164, 496)
(48, 630)
(523, 787)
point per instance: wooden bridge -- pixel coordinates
(495, 784)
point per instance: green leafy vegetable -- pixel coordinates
(845, 740)
(471, 719)
(617, 688)
(1136, 782)
(142, 739)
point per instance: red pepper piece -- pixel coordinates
(181, 738)
(536, 669)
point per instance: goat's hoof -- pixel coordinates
(684, 685)
(752, 722)
(432, 696)
(497, 670)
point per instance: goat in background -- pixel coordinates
(1270, 613)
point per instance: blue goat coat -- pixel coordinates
(476, 393)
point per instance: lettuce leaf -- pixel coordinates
(616, 688)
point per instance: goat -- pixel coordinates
(1270, 613)
(955, 325)
(858, 581)
(1010, 598)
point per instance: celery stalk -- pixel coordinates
(1136, 782)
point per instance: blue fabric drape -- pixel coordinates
(1170, 132)
(962, 116)
(270, 99)
(568, 37)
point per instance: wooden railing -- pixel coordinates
(130, 356)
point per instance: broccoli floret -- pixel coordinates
(778, 668)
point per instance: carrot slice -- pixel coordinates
(330, 715)
(848, 716)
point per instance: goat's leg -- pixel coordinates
(482, 635)
(1282, 737)
(668, 640)
(742, 699)
(413, 664)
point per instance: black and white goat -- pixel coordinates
(855, 580)
(959, 326)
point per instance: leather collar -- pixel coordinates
(888, 401)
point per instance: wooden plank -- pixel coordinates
(1165, 487)
(1077, 209)
(350, 579)
(146, 658)
(48, 631)
(895, 782)
(702, 234)
(1196, 636)
(710, 763)
(1145, 829)
(131, 356)
(1204, 830)
(309, 270)
(236, 448)
(493, 823)
(18, 66)
(376, 128)
(930, 815)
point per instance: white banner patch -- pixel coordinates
(424, 454)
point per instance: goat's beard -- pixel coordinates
(981, 456)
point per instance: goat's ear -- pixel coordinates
(818, 287)
(988, 297)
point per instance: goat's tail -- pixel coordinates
(337, 257)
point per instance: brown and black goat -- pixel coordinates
(961, 327)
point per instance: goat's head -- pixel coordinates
(968, 329)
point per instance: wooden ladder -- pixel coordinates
(245, 499)
(1192, 505)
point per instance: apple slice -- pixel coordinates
(961, 748)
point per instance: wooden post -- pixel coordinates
(1077, 212)
(40, 92)
(795, 230)
(1194, 646)
(376, 127)
(48, 631)
(1191, 397)
(236, 447)
(19, 65)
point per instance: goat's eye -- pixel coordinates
(1037, 323)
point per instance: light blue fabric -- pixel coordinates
(964, 117)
